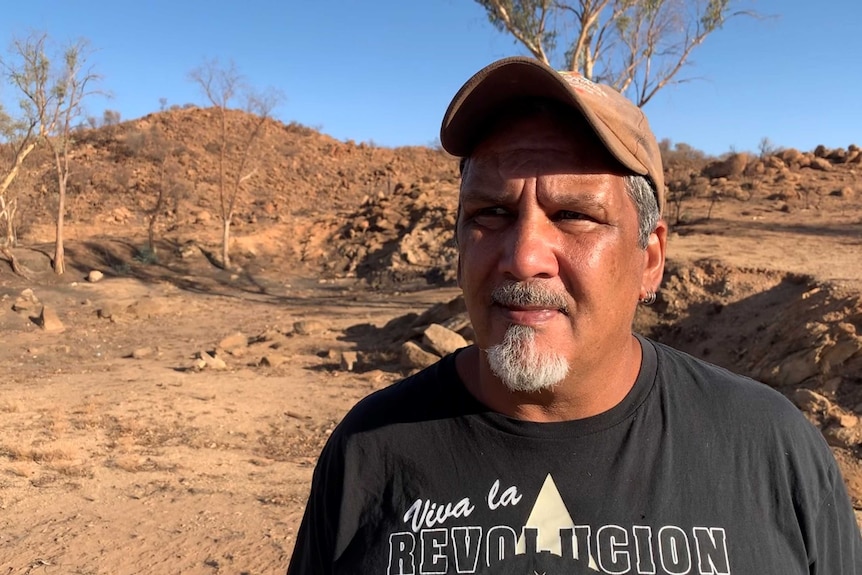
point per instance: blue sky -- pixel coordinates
(384, 70)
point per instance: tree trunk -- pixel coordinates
(225, 243)
(59, 253)
(7, 214)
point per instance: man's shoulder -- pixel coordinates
(721, 390)
(424, 395)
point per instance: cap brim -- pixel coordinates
(488, 92)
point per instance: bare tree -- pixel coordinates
(19, 137)
(164, 154)
(223, 87)
(636, 46)
(52, 94)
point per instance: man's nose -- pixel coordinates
(530, 248)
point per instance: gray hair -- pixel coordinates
(643, 195)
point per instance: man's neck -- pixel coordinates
(588, 390)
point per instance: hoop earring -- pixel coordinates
(649, 299)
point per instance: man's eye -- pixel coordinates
(492, 211)
(491, 217)
(570, 215)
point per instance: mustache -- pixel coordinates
(529, 294)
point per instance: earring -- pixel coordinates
(649, 299)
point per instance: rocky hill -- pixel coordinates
(342, 209)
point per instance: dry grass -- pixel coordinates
(289, 442)
(15, 453)
(136, 463)
(7, 406)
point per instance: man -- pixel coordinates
(562, 442)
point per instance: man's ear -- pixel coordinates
(655, 256)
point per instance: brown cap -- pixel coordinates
(619, 124)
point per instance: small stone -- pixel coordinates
(348, 360)
(142, 352)
(27, 301)
(272, 360)
(50, 321)
(94, 276)
(212, 361)
(234, 342)
(309, 327)
(107, 311)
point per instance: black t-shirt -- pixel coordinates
(696, 471)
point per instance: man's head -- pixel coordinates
(558, 223)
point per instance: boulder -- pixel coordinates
(811, 401)
(732, 167)
(414, 357)
(95, 276)
(442, 341)
(790, 156)
(820, 164)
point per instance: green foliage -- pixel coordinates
(146, 255)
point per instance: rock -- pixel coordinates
(821, 164)
(846, 192)
(50, 321)
(413, 356)
(348, 360)
(210, 361)
(273, 360)
(107, 311)
(142, 352)
(837, 156)
(795, 369)
(821, 151)
(841, 351)
(309, 327)
(847, 420)
(234, 343)
(732, 167)
(854, 157)
(94, 276)
(811, 402)
(846, 437)
(442, 341)
(145, 308)
(790, 156)
(441, 312)
(27, 301)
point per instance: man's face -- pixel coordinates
(548, 241)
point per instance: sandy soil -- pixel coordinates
(114, 464)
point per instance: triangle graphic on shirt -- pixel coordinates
(549, 515)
